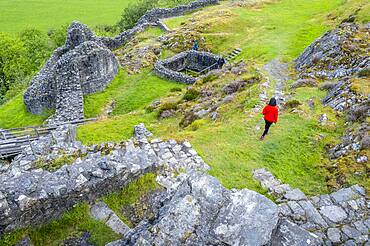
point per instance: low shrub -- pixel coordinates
(167, 106)
(176, 89)
(191, 95)
(209, 78)
(292, 104)
(197, 124)
(189, 118)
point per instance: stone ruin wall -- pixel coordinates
(82, 66)
(193, 60)
(85, 65)
(152, 18)
(32, 196)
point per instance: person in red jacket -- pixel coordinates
(270, 113)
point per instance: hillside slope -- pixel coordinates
(315, 146)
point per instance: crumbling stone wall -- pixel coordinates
(341, 217)
(154, 15)
(152, 18)
(85, 65)
(82, 66)
(194, 60)
(32, 196)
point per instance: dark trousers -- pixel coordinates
(267, 128)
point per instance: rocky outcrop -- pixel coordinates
(338, 53)
(342, 98)
(200, 211)
(84, 65)
(340, 217)
(172, 68)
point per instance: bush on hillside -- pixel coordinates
(167, 106)
(191, 95)
(21, 57)
(292, 104)
(58, 36)
(38, 48)
(133, 13)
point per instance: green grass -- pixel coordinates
(72, 223)
(129, 92)
(280, 29)
(283, 28)
(130, 194)
(17, 15)
(112, 129)
(14, 114)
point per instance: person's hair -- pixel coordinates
(272, 102)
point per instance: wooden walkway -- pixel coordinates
(14, 140)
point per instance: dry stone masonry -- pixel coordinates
(172, 68)
(194, 210)
(340, 217)
(85, 65)
(31, 196)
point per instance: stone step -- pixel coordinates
(233, 54)
(100, 211)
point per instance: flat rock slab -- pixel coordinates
(335, 214)
(247, 220)
(102, 212)
(290, 234)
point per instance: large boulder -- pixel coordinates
(202, 212)
(248, 219)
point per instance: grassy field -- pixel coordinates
(17, 15)
(14, 114)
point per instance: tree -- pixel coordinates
(38, 48)
(133, 13)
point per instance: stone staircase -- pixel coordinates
(233, 54)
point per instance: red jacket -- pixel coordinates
(271, 113)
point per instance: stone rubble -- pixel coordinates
(100, 211)
(340, 217)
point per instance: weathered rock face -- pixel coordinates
(84, 65)
(338, 53)
(193, 60)
(202, 212)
